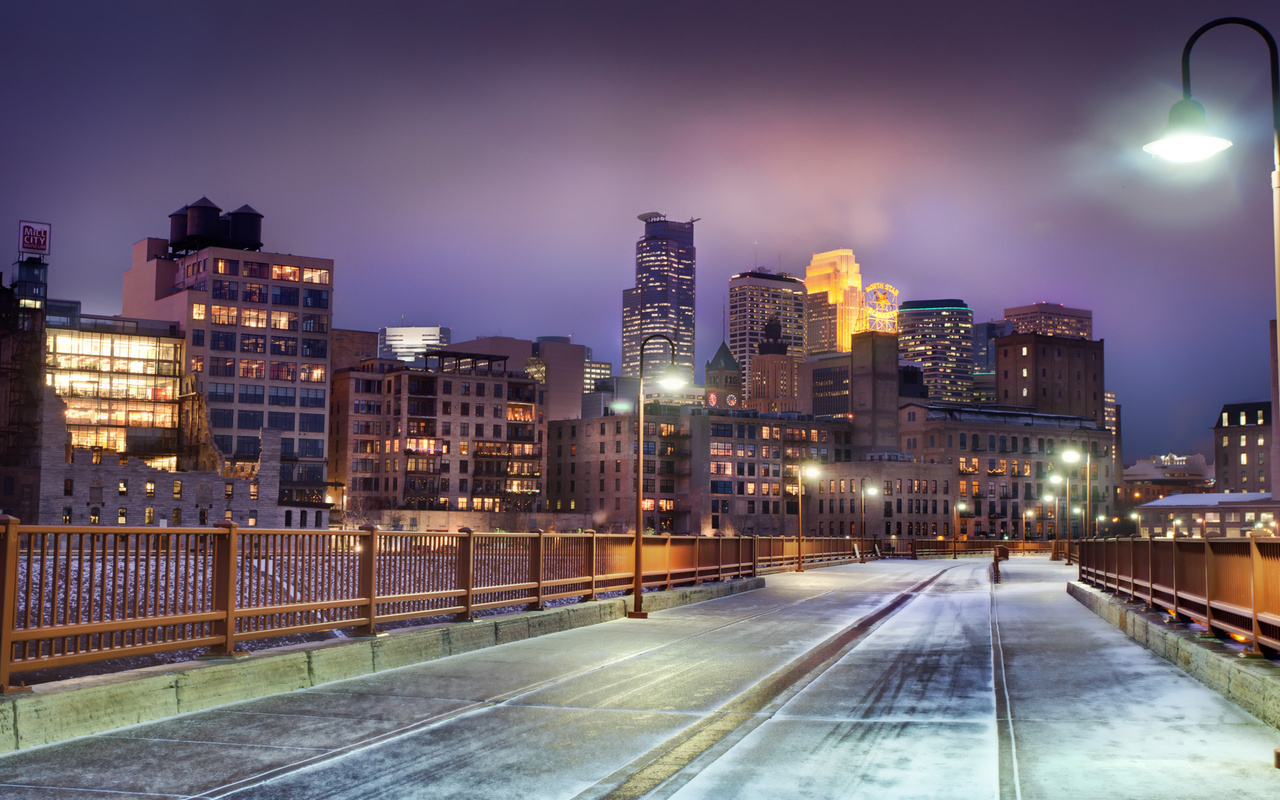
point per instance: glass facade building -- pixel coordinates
(662, 300)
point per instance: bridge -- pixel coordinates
(889, 679)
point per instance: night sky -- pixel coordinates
(481, 164)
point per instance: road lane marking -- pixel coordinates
(1010, 784)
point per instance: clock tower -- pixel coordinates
(724, 380)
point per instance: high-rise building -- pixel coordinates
(938, 335)
(1051, 319)
(755, 298)
(984, 358)
(834, 303)
(407, 343)
(775, 375)
(662, 300)
(257, 328)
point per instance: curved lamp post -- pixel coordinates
(1188, 138)
(863, 491)
(670, 381)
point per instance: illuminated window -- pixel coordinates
(151, 488)
(149, 516)
(314, 373)
(310, 275)
(1243, 418)
(197, 311)
(253, 517)
(253, 495)
(280, 272)
(66, 515)
(1244, 440)
(95, 516)
(223, 315)
(284, 320)
(1244, 458)
(123, 488)
(252, 368)
(122, 516)
(177, 490)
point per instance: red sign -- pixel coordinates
(34, 237)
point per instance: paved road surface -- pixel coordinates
(885, 680)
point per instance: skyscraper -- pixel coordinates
(834, 305)
(938, 335)
(755, 298)
(1051, 319)
(662, 300)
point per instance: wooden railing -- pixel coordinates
(1231, 586)
(71, 595)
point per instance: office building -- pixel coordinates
(938, 335)
(1052, 375)
(662, 301)
(834, 302)
(1241, 441)
(462, 432)
(257, 328)
(1006, 459)
(984, 358)
(1051, 319)
(755, 298)
(407, 343)
(775, 372)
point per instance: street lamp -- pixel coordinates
(1101, 518)
(1071, 457)
(811, 471)
(1188, 138)
(1030, 515)
(956, 510)
(672, 380)
(863, 491)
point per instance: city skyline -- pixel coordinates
(991, 154)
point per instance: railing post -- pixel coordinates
(535, 568)
(1255, 590)
(1173, 546)
(666, 548)
(1208, 587)
(466, 574)
(697, 561)
(590, 571)
(9, 595)
(368, 577)
(226, 557)
(755, 556)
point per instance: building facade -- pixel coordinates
(774, 376)
(257, 337)
(1241, 447)
(662, 301)
(723, 380)
(984, 358)
(461, 433)
(938, 335)
(1052, 375)
(1051, 319)
(405, 343)
(1006, 461)
(756, 298)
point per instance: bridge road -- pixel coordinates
(791, 691)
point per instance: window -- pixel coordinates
(284, 346)
(222, 367)
(197, 337)
(315, 348)
(313, 373)
(253, 317)
(280, 420)
(253, 368)
(283, 371)
(229, 493)
(281, 272)
(177, 490)
(122, 516)
(315, 323)
(123, 488)
(311, 423)
(255, 269)
(224, 290)
(222, 392)
(281, 396)
(247, 447)
(284, 296)
(151, 488)
(311, 448)
(250, 343)
(223, 315)
(198, 313)
(284, 320)
(311, 275)
(249, 420)
(68, 487)
(315, 298)
(311, 398)
(225, 266)
(254, 293)
(221, 417)
(249, 393)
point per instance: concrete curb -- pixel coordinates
(59, 711)
(1252, 684)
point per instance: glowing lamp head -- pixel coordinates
(1055, 479)
(811, 471)
(1187, 137)
(962, 507)
(1071, 456)
(672, 379)
(873, 491)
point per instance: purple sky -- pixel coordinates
(480, 165)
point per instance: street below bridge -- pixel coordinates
(891, 679)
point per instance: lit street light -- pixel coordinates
(672, 380)
(863, 491)
(1188, 138)
(811, 471)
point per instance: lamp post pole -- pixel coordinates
(637, 589)
(800, 520)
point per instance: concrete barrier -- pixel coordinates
(1251, 683)
(63, 710)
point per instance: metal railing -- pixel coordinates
(1230, 586)
(71, 595)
